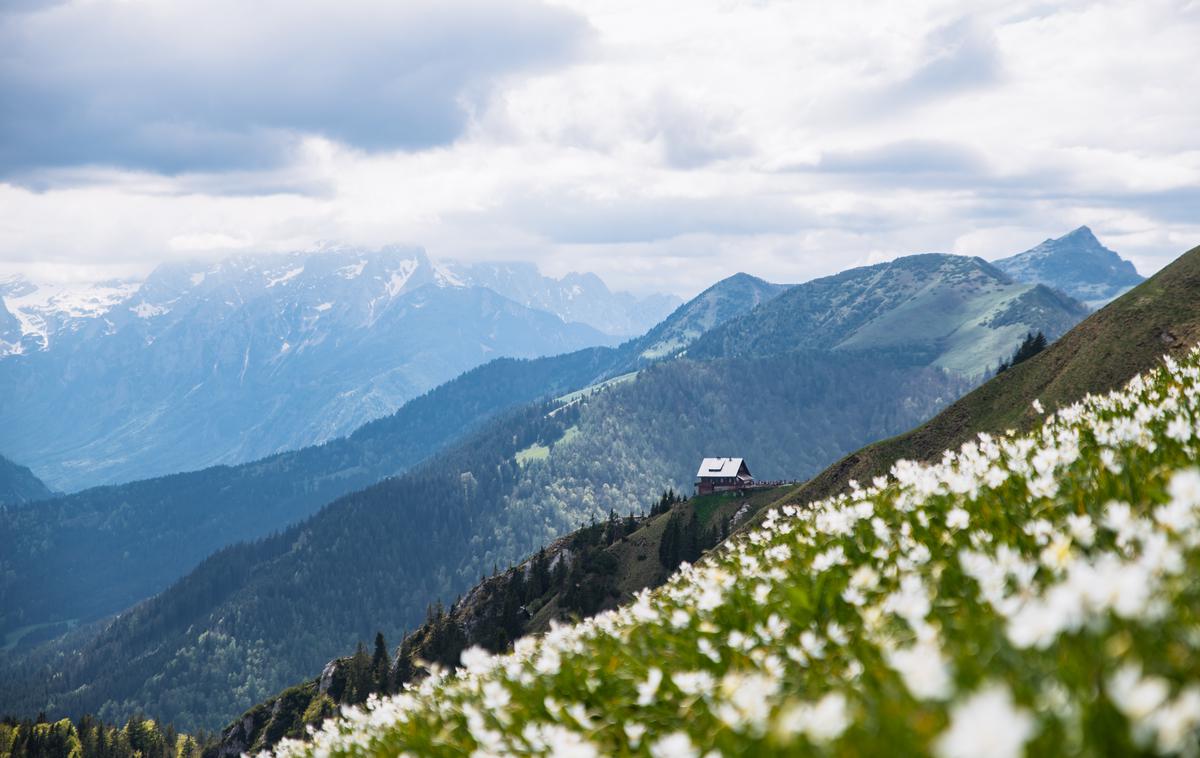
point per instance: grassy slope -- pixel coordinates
(638, 567)
(1162, 315)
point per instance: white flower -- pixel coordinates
(634, 732)
(834, 556)
(1184, 488)
(1179, 429)
(910, 602)
(1081, 528)
(563, 743)
(1135, 695)
(1037, 406)
(986, 725)
(710, 598)
(495, 695)
(548, 662)
(694, 682)
(746, 701)
(476, 660)
(649, 688)
(1057, 554)
(642, 610)
(957, 518)
(1177, 721)
(674, 745)
(924, 669)
(822, 722)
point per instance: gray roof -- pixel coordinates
(722, 467)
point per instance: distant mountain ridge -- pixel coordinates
(950, 311)
(1076, 263)
(579, 297)
(729, 298)
(19, 485)
(227, 362)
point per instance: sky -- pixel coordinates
(662, 145)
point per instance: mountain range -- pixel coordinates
(205, 364)
(957, 313)
(739, 370)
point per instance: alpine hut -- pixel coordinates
(722, 475)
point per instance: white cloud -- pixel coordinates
(670, 146)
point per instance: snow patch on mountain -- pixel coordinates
(149, 310)
(353, 271)
(287, 276)
(45, 309)
(400, 277)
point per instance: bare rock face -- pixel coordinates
(238, 737)
(327, 677)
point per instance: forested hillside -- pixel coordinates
(19, 485)
(95, 552)
(255, 617)
(139, 737)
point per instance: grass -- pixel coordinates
(535, 452)
(579, 394)
(539, 452)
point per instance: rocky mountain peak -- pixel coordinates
(1076, 263)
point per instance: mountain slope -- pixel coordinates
(725, 300)
(1161, 315)
(19, 485)
(95, 552)
(1077, 264)
(225, 363)
(595, 568)
(1025, 596)
(377, 557)
(959, 313)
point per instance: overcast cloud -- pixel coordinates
(661, 145)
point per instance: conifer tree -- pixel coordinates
(381, 666)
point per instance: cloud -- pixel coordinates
(617, 220)
(658, 148)
(209, 85)
(906, 157)
(959, 56)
